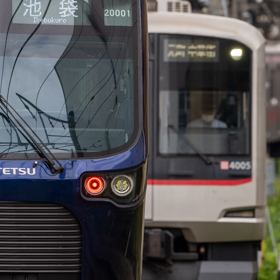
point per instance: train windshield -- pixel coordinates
(204, 96)
(69, 68)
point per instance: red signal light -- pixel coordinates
(94, 185)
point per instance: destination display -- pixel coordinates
(68, 12)
(59, 12)
(182, 50)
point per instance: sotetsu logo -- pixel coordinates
(17, 171)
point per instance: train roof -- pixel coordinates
(205, 25)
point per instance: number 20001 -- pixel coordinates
(116, 13)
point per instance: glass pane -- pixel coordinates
(209, 122)
(204, 98)
(75, 86)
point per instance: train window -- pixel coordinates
(209, 95)
(74, 83)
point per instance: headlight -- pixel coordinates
(122, 185)
(236, 54)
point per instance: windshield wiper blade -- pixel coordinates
(48, 156)
(197, 150)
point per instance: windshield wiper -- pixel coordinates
(48, 156)
(197, 150)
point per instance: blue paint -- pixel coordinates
(98, 220)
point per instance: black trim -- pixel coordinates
(189, 167)
(135, 197)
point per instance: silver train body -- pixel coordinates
(212, 198)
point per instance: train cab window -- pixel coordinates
(210, 115)
(74, 84)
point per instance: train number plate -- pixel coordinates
(235, 165)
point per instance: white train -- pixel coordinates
(205, 205)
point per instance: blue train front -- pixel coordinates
(73, 143)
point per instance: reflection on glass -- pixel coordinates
(70, 76)
(80, 103)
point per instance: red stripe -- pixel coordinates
(199, 182)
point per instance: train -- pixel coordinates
(73, 139)
(206, 194)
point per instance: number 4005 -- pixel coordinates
(240, 165)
